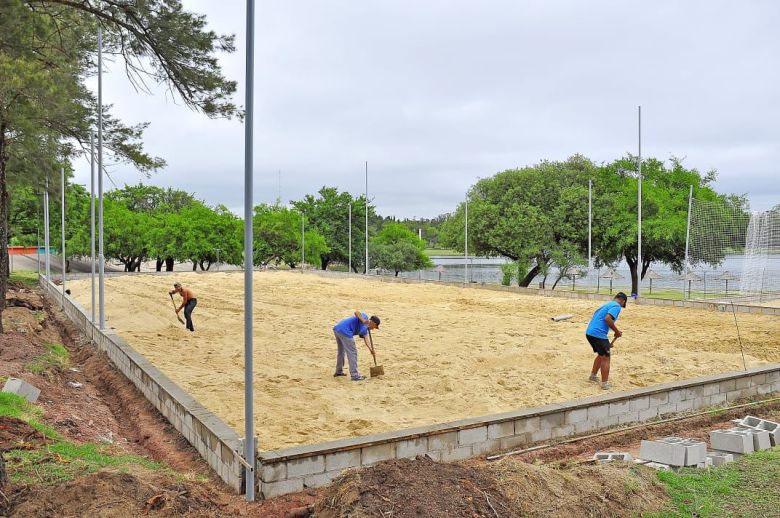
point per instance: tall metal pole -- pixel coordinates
(350, 234)
(38, 241)
(466, 240)
(249, 411)
(590, 224)
(47, 260)
(62, 210)
(101, 252)
(92, 214)
(639, 210)
(303, 239)
(366, 217)
(687, 239)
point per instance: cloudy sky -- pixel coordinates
(435, 94)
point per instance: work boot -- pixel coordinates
(594, 377)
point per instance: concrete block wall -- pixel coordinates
(294, 469)
(215, 441)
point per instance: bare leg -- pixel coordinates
(604, 369)
(596, 366)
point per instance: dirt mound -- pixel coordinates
(109, 494)
(615, 489)
(419, 487)
(15, 434)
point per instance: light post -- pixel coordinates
(303, 239)
(217, 250)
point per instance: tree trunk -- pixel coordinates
(3, 225)
(158, 265)
(634, 277)
(529, 277)
(169, 264)
(396, 273)
(194, 266)
(557, 281)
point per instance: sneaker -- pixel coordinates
(594, 377)
(338, 374)
(606, 385)
(359, 378)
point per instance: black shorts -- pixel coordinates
(600, 345)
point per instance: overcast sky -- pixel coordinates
(435, 94)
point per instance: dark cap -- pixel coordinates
(177, 285)
(621, 295)
(375, 319)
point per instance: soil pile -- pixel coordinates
(419, 487)
(15, 434)
(614, 489)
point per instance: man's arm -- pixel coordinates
(360, 317)
(611, 323)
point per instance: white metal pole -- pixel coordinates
(687, 239)
(92, 214)
(101, 251)
(38, 240)
(639, 210)
(249, 417)
(62, 210)
(350, 235)
(303, 240)
(466, 240)
(46, 231)
(590, 224)
(366, 217)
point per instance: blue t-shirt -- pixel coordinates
(598, 327)
(352, 326)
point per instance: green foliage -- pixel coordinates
(397, 248)
(16, 406)
(56, 357)
(329, 214)
(749, 486)
(277, 237)
(25, 278)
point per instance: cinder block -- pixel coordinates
(22, 388)
(669, 408)
(576, 416)
(530, 424)
(658, 466)
(443, 441)
(516, 441)
(659, 399)
(673, 451)
(377, 453)
(321, 479)
(620, 407)
(489, 446)
(717, 399)
(472, 435)
(728, 386)
(455, 454)
(733, 440)
(675, 396)
(272, 489)
(684, 406)
(719, 458)
(499, 430)
(761, 440)
(342, 460)
(305, 466)
(551, 420)
(742, 383)
(563, 431)
(761, 424)
(631, 417)
(603, 457)
(411, 448)
(640, 403)
(598, 412)
(648, 413)
(542, 434)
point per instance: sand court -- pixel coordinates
(448, 352)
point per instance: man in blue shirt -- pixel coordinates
(345, 331)
(598, 336)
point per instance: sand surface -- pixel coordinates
(448, 352)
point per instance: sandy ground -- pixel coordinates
(448, 352)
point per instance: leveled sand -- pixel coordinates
(448, 352)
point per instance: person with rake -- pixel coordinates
(188, 303)
(597, 335)
(345, 331)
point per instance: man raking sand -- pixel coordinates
(597, 335)
(188, 302)
(345, 331)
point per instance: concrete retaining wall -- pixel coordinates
(214, 440)
(293, 469)
(564, 294)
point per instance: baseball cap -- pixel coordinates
(375, 319)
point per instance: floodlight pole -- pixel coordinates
(218, 250)
(366, 217)
(38, 239)
(350, 233)
(687, 240)
(47, 259)
(466, 241)
(62, 210)
(303, 239)
(249, 417)
(590, 223)
(639, 211)
(101, 251)
(92, 214)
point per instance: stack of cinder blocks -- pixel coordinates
(673, 453)
(603, 457)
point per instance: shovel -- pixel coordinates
(376, 370)
(174, 309)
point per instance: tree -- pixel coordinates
(277, 237)
(664, 213)
(329, 214)
(527, 215)
(397, 248)
(47, 50)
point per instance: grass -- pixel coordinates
(60, 460)
(55, 357)
(441, 251)
(26, 277)
(748, 487)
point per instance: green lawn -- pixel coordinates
(25, 277)
(749, 486)
(442, 251)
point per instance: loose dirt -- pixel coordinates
(448, 353)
